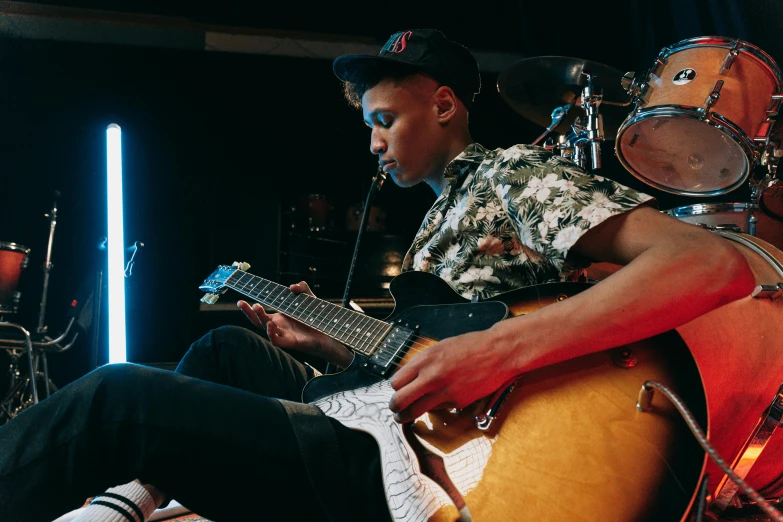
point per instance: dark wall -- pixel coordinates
(219, 147)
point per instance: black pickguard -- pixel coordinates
(421, 300)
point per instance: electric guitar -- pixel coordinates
(565, 442)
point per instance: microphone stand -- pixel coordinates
(377, 182)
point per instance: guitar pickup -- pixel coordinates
(391, 350)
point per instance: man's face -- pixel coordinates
(405, 129)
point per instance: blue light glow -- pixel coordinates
(116, 242)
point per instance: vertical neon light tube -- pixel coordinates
(116, 242)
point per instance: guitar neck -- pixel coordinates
(357, 331)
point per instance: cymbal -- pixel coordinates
(533, 87)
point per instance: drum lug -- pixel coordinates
(770, 292)
(640, 98)
(774, 105)
(762, 134)
(727, 63)
(660, 63)
(713, 97)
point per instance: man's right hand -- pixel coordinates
(290, 334)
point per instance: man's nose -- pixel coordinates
(377, 144)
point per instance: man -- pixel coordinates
(502, 219)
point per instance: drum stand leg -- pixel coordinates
(20, 388)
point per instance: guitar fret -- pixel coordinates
(358, 331)
(344, 327)
(322, 309)
(362, 331)
(353, 330)
(330, 321)
(308, 313)
(373, 334)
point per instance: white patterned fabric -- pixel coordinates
(508, 218)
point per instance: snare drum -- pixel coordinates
(13, 259)
(732, 215)
(697, 115)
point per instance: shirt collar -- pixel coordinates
(471, 156)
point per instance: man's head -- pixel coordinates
(415, 96)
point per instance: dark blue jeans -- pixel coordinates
(208, 435)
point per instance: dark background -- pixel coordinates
(222, 150)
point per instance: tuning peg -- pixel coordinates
(241, 265)
(210, 298)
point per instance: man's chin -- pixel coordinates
(403, 181)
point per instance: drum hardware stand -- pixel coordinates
(24, 392)
(587, 134)
(767, 424)
(773, 418)
(595, 127)
(52, 215)
(557, 116)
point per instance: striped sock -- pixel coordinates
(126, 503)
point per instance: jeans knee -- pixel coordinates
(107, 383)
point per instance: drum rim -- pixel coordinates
(681, 111)
(727, 43)
(698, 209)
(760, 249)
(15, 247)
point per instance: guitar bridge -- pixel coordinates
(391, 350)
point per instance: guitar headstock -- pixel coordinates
(215, 284)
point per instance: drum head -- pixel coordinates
(682, 155)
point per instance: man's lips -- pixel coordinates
(389, 165)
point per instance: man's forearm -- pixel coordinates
(643, 299)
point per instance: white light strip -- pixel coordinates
(116, 242)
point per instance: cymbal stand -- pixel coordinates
(41, 329)
(595, 127)
(584, 135)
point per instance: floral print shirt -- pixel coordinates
(507, 218)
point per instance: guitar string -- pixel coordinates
(415, 346)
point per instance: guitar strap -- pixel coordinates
(321, 454)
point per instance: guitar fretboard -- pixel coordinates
(355, 330)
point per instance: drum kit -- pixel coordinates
(699, 123)
(17, 340)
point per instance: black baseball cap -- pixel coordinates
(423, 50)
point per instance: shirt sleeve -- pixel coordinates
(552, 202)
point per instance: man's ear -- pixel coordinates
(445, 103)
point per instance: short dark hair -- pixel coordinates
(354, 90)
